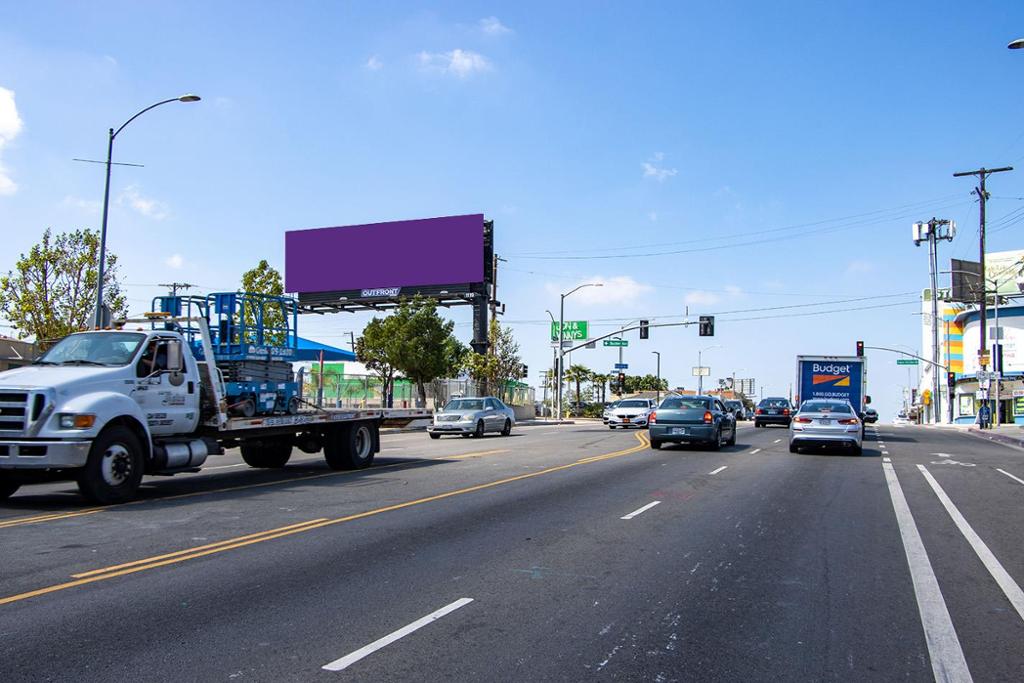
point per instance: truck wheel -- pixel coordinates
(113, 471)
(7, 487)
(270, 453)
(349, 447)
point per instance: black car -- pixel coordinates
(870, 416)
(773, 411)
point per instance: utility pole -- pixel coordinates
(494, 288)
(933, 231)
(175, 286)
(658, 388)
(982, 174)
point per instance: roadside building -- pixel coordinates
(966, 399)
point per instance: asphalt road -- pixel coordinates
(559, 553)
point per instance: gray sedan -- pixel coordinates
(473, 417)
(692, 419)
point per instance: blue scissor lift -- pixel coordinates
(254, 342)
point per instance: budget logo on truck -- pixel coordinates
(830, 375)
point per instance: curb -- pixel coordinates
(998, 438)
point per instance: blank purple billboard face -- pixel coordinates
(423, 252)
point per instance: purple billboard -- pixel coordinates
(385, 256)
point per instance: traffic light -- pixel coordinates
(707, 326)
(526, 370)
(860, 348)
(645, 332)
(622, 382)
(950, 379)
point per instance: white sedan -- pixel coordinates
(631, 412)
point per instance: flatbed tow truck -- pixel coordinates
(146, 397)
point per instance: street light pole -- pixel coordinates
(930, 231)
(111, 134)
(658, 387)
(561, 333)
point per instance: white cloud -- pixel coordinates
(10, 127)
(373, 64)
(492, 27)
(150, 208)
(460, 63)
(652, 169)
(701, 298)
(91, 206)
(175, 261)
(859, 267)
(620, 289)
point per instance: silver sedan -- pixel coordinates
(826, 423)
(473, 417)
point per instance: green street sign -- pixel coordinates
(906, 361)
(616, 342)
(571, 330)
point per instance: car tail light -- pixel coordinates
(849, 421)
(653, 418)
(759, 412)
(803, 420)
(785, 411)
(708, 417)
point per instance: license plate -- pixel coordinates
(825, 421)
(679, 430)
(625, 419)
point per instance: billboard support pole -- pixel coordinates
(479, 342)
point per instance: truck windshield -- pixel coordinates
(94, 348)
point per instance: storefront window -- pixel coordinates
(967, 405)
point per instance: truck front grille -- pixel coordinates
(13, 408)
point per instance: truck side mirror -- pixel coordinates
(175, 363)
(867, 399)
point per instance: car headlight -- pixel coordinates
(77, 420)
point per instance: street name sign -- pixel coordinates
(616, 342)
(622, 366)
(702, 371)
(906, 361)
(576, 330)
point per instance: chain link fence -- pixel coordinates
(342, 390)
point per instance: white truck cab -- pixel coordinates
(137, 392)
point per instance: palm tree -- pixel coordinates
(578, 374)
(600, 381)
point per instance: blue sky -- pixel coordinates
(586, 129)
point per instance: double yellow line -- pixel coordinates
(52, 517)
(145, 564)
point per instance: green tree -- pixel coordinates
(600, 382)
(425, 348)
(377, 350)
(578, 374)
(52, 290)
(500, 366)
(645, 383)
(263, 279)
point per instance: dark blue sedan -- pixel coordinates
(692, 419)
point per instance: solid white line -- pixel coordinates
(718, 470)
(1019, 481)
(1010, 588)
(777, 440)
(222, 467)
(350, 659)
(756, 450)
(642, 510)
(947, 657)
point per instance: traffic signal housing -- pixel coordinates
(860, 348)
(950, 379)
(707, 326)
(526, 371)
(621, 382)
(645, 331)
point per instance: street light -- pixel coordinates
(658, 387)
(561, 332)
(106, 198)
(700, 368)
